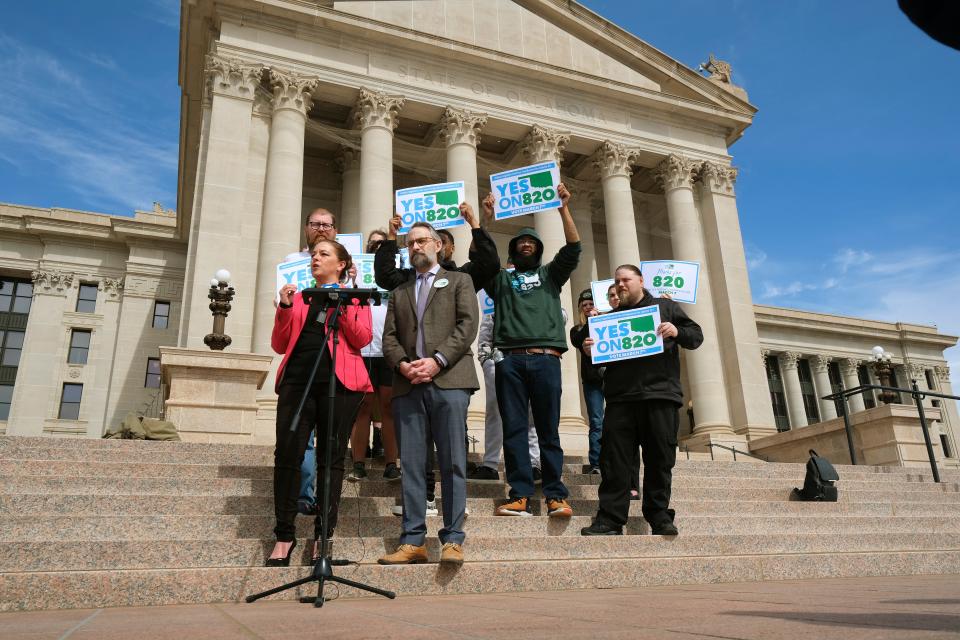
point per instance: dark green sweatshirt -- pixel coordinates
(528, 304)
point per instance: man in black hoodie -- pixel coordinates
(643, 397)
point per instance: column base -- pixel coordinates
(701, 442)
(754, 431)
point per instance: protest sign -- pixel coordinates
(438, 204)
(486, 302)
(623, 335)
(352, 242)
(526, 190)
(365, 277)
(599, 290)
(295, 272)
(676, 278)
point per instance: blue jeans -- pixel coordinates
(308, 478)
(593, 395)
(531, 380)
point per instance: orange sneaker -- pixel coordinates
(517, 507)
(558, 508)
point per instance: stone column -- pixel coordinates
(376, 115)
(612, 161)
(791, 386)
(704, 365)
(217, 233)
(821, 378)
(541, 145)
(848, 371)
(461, 131)
(283, 193)
(950, 420)
(586, 272)
(348, 160)
(746, 382)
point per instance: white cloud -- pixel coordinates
(755, 255)
(847, 258)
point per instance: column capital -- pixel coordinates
(943, 372)
(460, 126)
(848, 366)
(916, 371)
(377, 109)
(821, 363)
(232, 77)
(789, 359)
(292, 90)
(347, 159)
(717, 177)
(675, 172)
(53, 282)
(614, 159)
(543, 145)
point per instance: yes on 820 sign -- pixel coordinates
(438, 204)
(625, 334)
(526, 190)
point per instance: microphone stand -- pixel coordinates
(323, 568)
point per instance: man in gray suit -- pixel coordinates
(431, 322)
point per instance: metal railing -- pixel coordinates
(917, 396)
(735, 451)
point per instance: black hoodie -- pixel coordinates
(653, 377)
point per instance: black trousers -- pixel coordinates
(652, 426)
(288, 455)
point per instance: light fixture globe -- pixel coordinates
(877, 353)
(223, 276)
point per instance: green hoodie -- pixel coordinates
(527, 303)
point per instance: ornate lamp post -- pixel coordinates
(221, 295)
(883, 368)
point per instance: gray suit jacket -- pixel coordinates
(450, 325)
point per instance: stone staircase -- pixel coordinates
(97, 523)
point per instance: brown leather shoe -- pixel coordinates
(405, 554)
(452, 553)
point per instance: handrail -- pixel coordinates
(917, 396)
(735, 451)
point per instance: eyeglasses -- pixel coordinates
(320, 226)
(420, 242)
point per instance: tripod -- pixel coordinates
(323, 568)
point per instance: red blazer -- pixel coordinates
(356, 331)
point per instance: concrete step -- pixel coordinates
(231, 527)
(252, 552)
(239, 488)
(24, 505)
(95, 589)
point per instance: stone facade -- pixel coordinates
(336, 104)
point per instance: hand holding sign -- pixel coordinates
(286, 293)
(488, 205)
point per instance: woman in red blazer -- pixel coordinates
(299, 337)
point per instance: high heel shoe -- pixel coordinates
(282, 562)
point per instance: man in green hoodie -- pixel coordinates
(529, 330)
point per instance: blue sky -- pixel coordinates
(849, 191)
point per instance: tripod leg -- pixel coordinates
(283, 587)
(365, 587)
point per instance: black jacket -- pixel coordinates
(484, 263)
(589, 372)
(653, 377)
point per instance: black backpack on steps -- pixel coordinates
(818, 485)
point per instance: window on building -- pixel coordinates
(70, 401)
(944, 442)
(15, 296)
(928, 374)
(836, 384)
(808, 391)
(153, 374)
(161, 314)
(79, 346)
(87, 298)
(6, 398)
(869, 398)
(894, 382)
(11, 346)
(777, 397)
